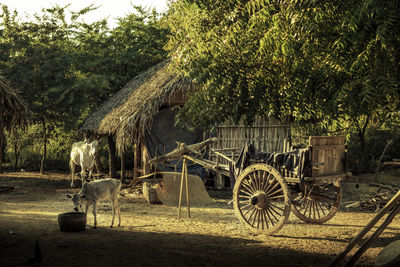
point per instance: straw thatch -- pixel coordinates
(130, 112)
(13, 110)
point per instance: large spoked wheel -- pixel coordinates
(261, 198)
(317, 203)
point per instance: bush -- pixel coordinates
(30, 146)
(376, 140)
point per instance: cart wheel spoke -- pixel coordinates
(265, 218)
(246, 192)
(319, 208)
(273, 207)
(254, 178)
(264, 179)
(248, 187)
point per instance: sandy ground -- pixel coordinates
(151, 235)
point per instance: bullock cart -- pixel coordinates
(268, 186)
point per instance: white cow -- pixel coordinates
(83, 154)
(92, 193)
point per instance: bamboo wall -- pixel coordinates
(266, 135)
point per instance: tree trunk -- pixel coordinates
(16, 151)
(111, 157)
(98, 165)
(44, 146)
(363, 156)
(1, 144)
(1, 137)
(363, 147)
(378, 163)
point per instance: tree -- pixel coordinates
(319, 63)
(38, 59)
(66, 68)
(252, 61)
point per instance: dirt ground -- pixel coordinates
(151, 235)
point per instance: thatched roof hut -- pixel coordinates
(130, 112)
(142, 113)
(14, 112)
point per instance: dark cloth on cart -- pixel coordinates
(293, 161)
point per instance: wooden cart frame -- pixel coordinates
(264, 194)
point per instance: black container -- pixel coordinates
(72, 222)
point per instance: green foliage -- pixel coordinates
(30, 148)
(259, 58)
(325, 66)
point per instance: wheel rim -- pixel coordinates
(261, 198)
(317, 203)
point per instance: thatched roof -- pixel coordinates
(14, 111)
(130, 112)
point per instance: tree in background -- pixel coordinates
(66, 68)
(326, 64)
(14, 113)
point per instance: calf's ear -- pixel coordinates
(68, 195)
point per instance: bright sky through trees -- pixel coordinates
(110, 9)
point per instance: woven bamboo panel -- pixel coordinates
(328, 155)
(266, 135)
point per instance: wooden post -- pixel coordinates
(122, 167)
(145, 159)
(136, 160)
(184, 178)
(111, 157)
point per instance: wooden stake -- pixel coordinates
(181, 190)
(187, 188)
(375, 235)
(365, 230)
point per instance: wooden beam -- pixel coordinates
(224, 156)
(136, 160)
(122, 167)
(181, 150)
(232, 149)
(112, 172)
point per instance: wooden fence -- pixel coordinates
(266, 135)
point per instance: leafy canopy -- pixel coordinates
(308, 62)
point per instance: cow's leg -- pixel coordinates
(90, 174)
(113, 210)
(94, 214)
(72, 168)
(86, 209)
(83, 174)
(119, 212)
